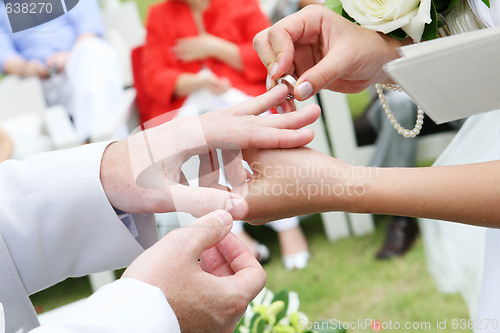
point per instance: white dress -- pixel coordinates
(460, 257)
(455, 251)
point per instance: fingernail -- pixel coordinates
(280, 110)
(268, 82)
(224, 219)
(236, 207)
(304, 90)
(274, 69)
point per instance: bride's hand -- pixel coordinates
(324, 50)
(292, 182)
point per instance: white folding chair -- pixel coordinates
(343, 141)
(335, 223)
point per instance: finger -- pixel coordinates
(233, 167)
(291, 120)
(281, 38)
(182, 179)
(213, 262)
(286, 107)
(205, 233)
(280, 138)
(326, 71)
(249, 275)
(263, 47)
(261, 103)
(200, 201)
(209, 169)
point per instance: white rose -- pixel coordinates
(389, 15)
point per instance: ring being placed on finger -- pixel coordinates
(289, 81)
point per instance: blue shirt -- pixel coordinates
(57, 35)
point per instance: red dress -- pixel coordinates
(237, 21)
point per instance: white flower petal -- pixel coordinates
(389, 15)
(268, 298)
(293, 303)
(415, 28)
(389, 26)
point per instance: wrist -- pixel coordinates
(346, 187)
(390, 53)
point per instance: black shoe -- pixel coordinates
(400, 236)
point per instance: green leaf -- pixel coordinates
(282, 295)
(260, 326)
(237, 328)
(441, 5)
(254, 320)
(452, 4)
(398, 34)
(431, 29)
(487, 2)
(347, 16)
(334, 5)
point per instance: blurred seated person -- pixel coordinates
(78, 69)
(199, 53)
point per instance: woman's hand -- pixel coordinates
(143, 173)
(324, 50)
(195, 48)
(292, 182)
(215, 84)
(206, 46)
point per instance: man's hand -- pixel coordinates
(324, 50)
(143, 173)
(206, 296)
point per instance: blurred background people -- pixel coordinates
(199, 55)
(78, 69)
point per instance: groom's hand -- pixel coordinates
(143, 174)
(206, 296)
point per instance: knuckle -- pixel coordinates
(204, 202)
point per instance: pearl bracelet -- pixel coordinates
(397, 126)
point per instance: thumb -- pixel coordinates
(327, 70)
(202, 200)
(206, 232)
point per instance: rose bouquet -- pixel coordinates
(269, 313)
(418, 19)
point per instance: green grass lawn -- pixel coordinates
(342, 281)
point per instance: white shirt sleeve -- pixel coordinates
(57, 221)
(124, 306)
